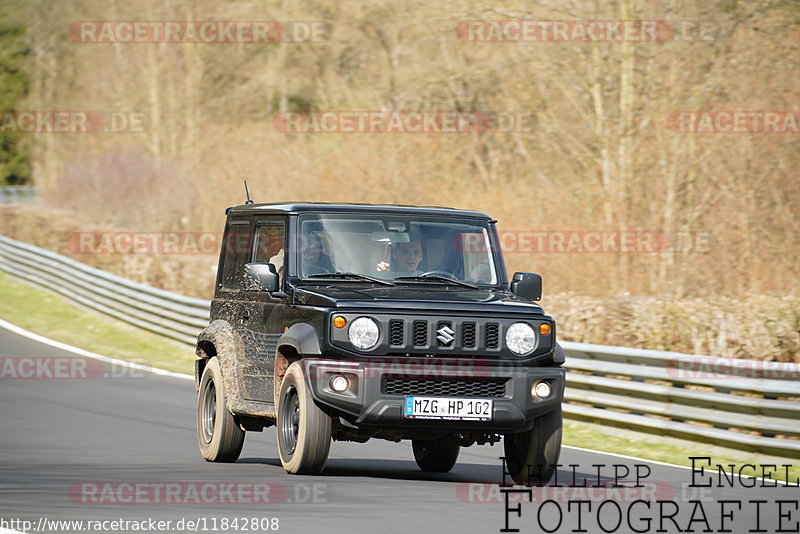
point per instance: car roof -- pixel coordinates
(331, 207)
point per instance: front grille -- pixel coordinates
(492, 335)
(491, 387)
(396, 332)
(468, 337)
(420, 333)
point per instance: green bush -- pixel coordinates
(15, 166)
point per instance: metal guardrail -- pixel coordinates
(19, 194)
(742, 404)
(168, 314)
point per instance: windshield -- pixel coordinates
(400, 249)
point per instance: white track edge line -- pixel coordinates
(81, 352)
(625, 456)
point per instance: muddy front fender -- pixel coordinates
(220, 340)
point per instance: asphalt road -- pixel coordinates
(108, 448)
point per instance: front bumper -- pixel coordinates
(366, 403)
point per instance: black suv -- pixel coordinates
(351, 322)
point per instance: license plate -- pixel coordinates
(447, 408)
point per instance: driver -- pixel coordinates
(406, 257)
(314, 260)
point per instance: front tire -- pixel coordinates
(538, 448)
(304, 431)
(218, 435)
(435, 456)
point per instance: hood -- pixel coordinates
(415, 297)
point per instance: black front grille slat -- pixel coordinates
(468, 336)
(492, 335)
(492, 388)
(396, 331)
(476, 336)
(420, 333)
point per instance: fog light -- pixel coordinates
(541, 390)
(339, 383)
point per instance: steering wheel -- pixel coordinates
(445, 274)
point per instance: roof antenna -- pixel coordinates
(247, 193)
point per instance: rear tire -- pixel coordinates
(538, 448)
(435, 456)
(218, 435)
(303, 430)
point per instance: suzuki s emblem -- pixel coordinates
(445, 336)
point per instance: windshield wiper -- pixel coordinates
(439, 278)
(351, 275)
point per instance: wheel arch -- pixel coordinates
(220, 340)
(205, 350)
(299, 340)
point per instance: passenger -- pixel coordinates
(384, 257)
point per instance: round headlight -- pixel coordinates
(520, 338)
(363, 333)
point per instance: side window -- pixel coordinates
(270, 244)
(235, 253)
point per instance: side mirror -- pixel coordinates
(260, 277)
(527, 285)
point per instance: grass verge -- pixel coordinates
(50, 315)
(670, 450)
